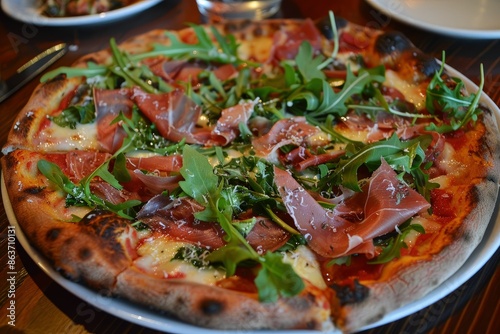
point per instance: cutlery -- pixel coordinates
(30, 70)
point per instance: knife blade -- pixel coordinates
(30, 70)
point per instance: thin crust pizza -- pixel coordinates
(283, 174)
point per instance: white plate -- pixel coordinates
(27, 11)
(459, 18)
(148, 318)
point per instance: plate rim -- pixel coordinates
(25, 11)
(142, 316)
(433, 27)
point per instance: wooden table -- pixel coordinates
(42, 306)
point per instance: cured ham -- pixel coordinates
(78, 164)
(170, 163)
(176, 116)
(185, 71)
(109, 104)
(226, 129)
(295, 131)
(302, 158)
(383, 204)
(287, 43)
(175, 218)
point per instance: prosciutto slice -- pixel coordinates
(173, 113)
(288, 131)
(175, 218)
(227, 127)
(78, 164)
(176, 116)
(286, 43)
(185, 71)
(109, 104)
(302, 158)
(383, 204)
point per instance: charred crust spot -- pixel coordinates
(351, 294)
(492, 178)
(107, 227)
(211, 307)
(257, 32)
(325, 26)
(390, 42)
(9, 161)
(312, 325)
(23, 126)
(434, 282)
(34, 190)
(53, 234)
(467, 237)
(378, 316)
(69, 241)
(84, 253)
(59, 77)
(428, 65)
(180, 301)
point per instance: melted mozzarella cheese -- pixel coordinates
(447, 160)
(305, 265)
(83, 137)
(412, 92)
(156, 258)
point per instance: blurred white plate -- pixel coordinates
(146, 317)
(459, 18)
(27, 11)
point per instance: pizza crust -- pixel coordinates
(214, 307)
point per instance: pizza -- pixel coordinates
(64, 8)
(282, 174)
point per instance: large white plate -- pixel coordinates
(27, 11)
(148, 318)
(459, 18)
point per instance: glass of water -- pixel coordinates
(220, 10)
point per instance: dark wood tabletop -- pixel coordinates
(42, 306)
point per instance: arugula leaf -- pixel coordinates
(143, 135)
(440, 97)
(92, 70)
(74, 115)
(392, 246)
(379, 104)
(200, 182)
(308, 64)
(204, 49)
(120, 171)
(277, 278)
(52, 172)
(460, 109)
(334, 103)
(404, 155)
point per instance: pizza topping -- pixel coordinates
(109, 104)
(176, 218)
(383, 204)
(288, 131)
(286, 43)
(174, 114)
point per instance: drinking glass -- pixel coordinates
(220, 10)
